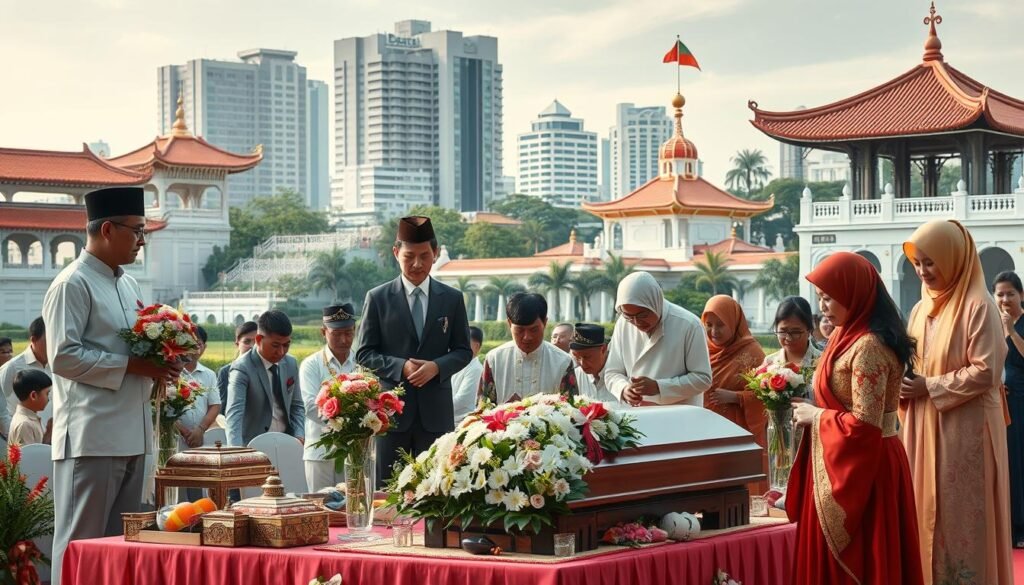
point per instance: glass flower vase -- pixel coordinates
(167, 445)
(780, 447)
(360, 467)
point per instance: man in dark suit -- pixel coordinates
(263, 386)
(414, 332)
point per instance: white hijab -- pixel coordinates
(640, 289)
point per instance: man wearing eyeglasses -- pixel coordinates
(102, 417)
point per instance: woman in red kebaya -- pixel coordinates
(850, 488)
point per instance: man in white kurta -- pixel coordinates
(33, 358)
(658, 354)
(102, 416)
(466, 381)
(589, 350)
(334, 358)
(527, 365)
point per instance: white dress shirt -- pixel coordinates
(538, 372)
(195, 414)
(313, 371)
(423, 286)
(593, 387)
(279, 419)
(465, 384)
(25, 360)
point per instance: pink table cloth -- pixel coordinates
(759, 556)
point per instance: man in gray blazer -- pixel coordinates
(263, 385)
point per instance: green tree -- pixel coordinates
(534, 232)
(557, 221)
(750, 170)
(585, 285)
(613, 270)
(554, 281)
(713, 273)
(779, 279)
(282, 214)
(502, 287)
(328, 272)
(689, 295)
(486, 240)
(786, 213)
(466, 287)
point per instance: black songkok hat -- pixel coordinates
(415, 229)
(587, 335)
(339, 316)
(114, 202)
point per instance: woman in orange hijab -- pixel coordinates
(850, 489)
(952, 413)
(734, 351)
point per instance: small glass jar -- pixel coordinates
(401, 527)
(565, 545)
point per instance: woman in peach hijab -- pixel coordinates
(952, 413)
(734, 351)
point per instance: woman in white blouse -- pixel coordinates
(658, 354)
(793, 327)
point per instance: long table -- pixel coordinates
(758, 556)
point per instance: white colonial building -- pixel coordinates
(185, 179)
(663, 227)
(919, 121)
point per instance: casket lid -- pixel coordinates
(218, 457)
(273, 502)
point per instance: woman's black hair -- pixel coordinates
(1010, 277)
(887, 323)
(794, 307)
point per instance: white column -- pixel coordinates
(568, 310)
(760, 307)
(478, 301)
(500, 313)
(587, 312)
(605, 302)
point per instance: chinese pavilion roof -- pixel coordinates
(66, 169)
(933, 97)
(52, 217)
(678, 196)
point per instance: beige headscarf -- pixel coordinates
(952, 248)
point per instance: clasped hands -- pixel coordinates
(639, 387)
(419, 372)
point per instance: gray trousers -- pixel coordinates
(89, 496)
(321, 474)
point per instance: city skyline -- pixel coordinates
(75, 89)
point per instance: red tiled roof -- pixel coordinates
(570, 248)
(932, 97)
(53, 217)
(730, 246)
(66, 169)
(491, 217)
(187, 151)
(676, 195)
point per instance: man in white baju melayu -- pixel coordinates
(466, 381)
(339, 331)
(589, 350)
(103, 424)
(527, 365)
(658, 354)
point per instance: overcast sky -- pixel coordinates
(78, 71)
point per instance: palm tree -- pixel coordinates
(612, 272)
(328, 272)
(586, 284)
(750, 169)
(466, 287)
(555, 280)
(535, 232)
(504, 287)
(779, 279)
(714, 272)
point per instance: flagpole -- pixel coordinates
(678, 86)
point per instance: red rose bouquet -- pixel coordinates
(25, 513)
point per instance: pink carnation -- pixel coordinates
(409, 496)
(353, 386)
(372, 404)
(533, 459)
(330, 408)
(323, 395)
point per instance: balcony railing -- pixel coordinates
(887, 209)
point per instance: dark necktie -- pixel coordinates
(275, 385)
(417, 311)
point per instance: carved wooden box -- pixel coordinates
(225, 528)
(217, 468)
(279, 521)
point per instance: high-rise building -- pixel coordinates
(318, 127)
(558, 159)
(261, 99)
(792, 160)
(413, 102)
(604, 183)
(635, 138)
(100, 148)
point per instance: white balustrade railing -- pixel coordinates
(924, 206)
(888, 209)
(869, 208)
(998, 204)
(229, 294)
(827, 210)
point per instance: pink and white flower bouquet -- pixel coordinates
(777, 384)
(519, 463)
(355, 408)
